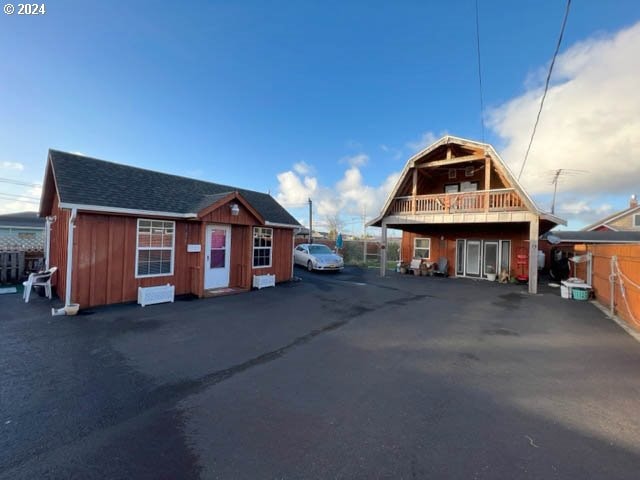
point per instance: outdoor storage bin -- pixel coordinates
(580, 294)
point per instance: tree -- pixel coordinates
(334, 225)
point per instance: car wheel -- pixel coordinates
(310, 266)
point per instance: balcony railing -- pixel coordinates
(503, 200)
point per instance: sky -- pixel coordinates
(324, 99)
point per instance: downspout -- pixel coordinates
(47, 241)
(72, 226)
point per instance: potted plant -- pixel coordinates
(490, 272)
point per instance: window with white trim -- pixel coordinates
(155, 244)
(262, 247)
(636, 220)
(421, 247)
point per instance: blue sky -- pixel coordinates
(327, 99)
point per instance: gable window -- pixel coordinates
(469, 172)
(421, 247)
(155, 244)
(636, 220)
(452, 173)
(262, 246)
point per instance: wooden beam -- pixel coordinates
(449, 152)
(487, 181)
(414, 191)
(451, 161)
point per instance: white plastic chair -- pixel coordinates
(38, 279)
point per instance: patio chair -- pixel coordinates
(443, 267)
(42, 279)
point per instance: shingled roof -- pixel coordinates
(22, 219)
(89, 181)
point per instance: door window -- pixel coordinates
(218, 248)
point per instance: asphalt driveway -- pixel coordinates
(336, 376)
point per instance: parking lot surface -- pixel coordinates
(344, 375)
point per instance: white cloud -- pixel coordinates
(426, 139)
(356, 160)
(590, 121)
(294, 190)
(20, 199)
(350, 195)
(12, 165)
(302, 168)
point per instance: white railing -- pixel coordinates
(506, 199)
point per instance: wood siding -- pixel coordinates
(281, 255)
(518, 233)
(58, 247)
(104, 260)
(223, 215)
(240, 275)
(625, 222)
(628, 306)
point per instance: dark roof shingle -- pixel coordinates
(22, 219)
(89, 181)
(582, 236)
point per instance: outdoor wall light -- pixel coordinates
(235, 209)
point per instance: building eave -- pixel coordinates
(126, 211)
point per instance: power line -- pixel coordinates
(18, 182)
(12, 196)
(479, 72)
(546, 87)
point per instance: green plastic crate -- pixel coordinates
(580, 294)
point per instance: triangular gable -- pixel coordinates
(501, 168)
(604, 222)
(221, 200)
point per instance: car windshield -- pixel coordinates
(316, 249)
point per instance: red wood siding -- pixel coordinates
(223, 215)
(240, 275)
(446, 247)
(58, 247)
(281, 255)
(104, 260)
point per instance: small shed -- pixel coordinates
(115, 228)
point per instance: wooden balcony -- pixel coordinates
(503, 200)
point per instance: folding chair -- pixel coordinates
(42, 279)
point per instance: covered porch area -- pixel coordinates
(473, 249)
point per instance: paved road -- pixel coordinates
(336, 376)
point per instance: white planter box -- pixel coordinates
(152, 295)
(261, 281)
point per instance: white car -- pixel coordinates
(316, 256)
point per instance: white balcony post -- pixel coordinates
(383, 250)
(533, 254)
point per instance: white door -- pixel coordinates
(217, 256)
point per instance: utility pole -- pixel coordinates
(555, 179)
(555, 189)
(310, 221)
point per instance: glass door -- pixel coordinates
(472, 254)
(505, 256)
(490, 264)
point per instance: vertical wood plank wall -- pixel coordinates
(105, 255)
(517, 233)
(281, 255)
(58, 247)
(105, 251)
(629, 263)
